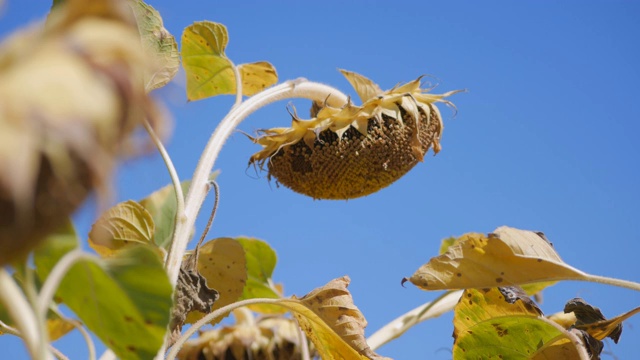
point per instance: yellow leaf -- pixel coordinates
(507, 257)
(125, 224)
(207, 68)
(222, 262)
(365, 88)
(58, 327)
(502, 324)
(333, 322)
(209, 71)
(256, 77)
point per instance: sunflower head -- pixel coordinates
(264, 338)
(353, 151)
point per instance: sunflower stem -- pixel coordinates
(299, 88)
(444, 303)
(614, 282)
(24, 317)
(173, 174)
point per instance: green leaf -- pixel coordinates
(159, 43)
(162, 206)
(127, 223)
(124, 300)
(209, 72)
(261, 261)
(488, 326)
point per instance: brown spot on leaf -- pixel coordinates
(499, 280)
(500, 330)
(458, 274)
(128, 318)
(131, 348)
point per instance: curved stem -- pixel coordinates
(91, 347)
(22, 314)
(55, 277)
(173, 174)
(444, 303)
(615, 282)
(10, 330)
(238, 76)
(300, 88)
(210, 317)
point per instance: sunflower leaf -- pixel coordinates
(507, 257)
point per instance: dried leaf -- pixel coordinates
(192, 294)
(127, 223)
(158, 43)
(256, 77)
(591, 320)
(507, 257)
(490, 325)
(365, 88)
(223, 264)
(333, 322)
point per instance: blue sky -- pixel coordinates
(546, 138)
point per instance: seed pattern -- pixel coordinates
(353, 151)
(357, 164)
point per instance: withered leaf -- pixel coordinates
(591, 320)
(507, 257)
(192, 294)
(333, 305)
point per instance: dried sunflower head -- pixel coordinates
(70, 94)
(265, 338)
(353, 151)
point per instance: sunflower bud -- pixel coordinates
(354, 151)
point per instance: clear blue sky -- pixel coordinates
(546, 138)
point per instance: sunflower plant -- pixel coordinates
(75, 88)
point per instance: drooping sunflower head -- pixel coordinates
(353, 151)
